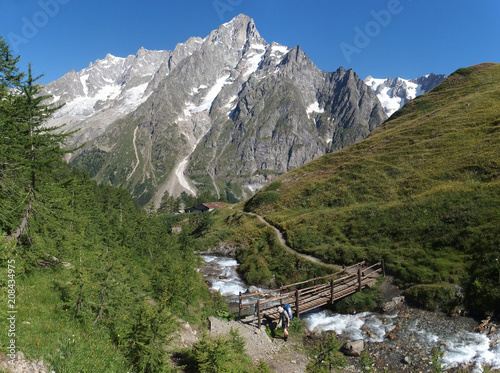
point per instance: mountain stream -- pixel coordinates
(404, 338)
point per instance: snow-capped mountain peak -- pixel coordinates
(394, 93)
(109, 88)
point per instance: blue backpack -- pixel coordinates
(288, 310)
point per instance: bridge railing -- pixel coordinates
(303, 299)
(282, 288)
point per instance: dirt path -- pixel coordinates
(289, 249)
(280, 356)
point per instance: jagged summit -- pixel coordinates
(241, 21)
(224, 114)
(239, 18)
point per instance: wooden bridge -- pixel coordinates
(307, 295)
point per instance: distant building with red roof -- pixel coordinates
(214, 205)
(204, 207)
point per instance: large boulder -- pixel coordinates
(354, 348)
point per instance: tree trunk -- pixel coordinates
(17, 233)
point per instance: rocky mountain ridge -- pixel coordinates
(395, 93)
(106, 90)
(223, 114)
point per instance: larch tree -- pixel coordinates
(27, 146)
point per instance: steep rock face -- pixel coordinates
(286, 115)
(394, 93)
(226, 113)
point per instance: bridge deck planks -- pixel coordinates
(319, 299)
(321, 294)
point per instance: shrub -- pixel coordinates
(263, 367)
(437, 360)
(435, 297)
(221, 354)
(144, 343)
(263, 198)
(296, 326)
(273, 186)
(326, 356)
(464, 71)
(367, 362)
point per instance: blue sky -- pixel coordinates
(382, 38)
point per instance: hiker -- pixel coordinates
(285, 321)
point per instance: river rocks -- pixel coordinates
(223, 249)
(393, 304)
(416, 335)
(354, 348)
(390, 337)
(369, 333)
(487, 327)
(495, 342)
(252, 290)
(316, 333)
(210, 271)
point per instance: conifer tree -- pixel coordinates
(145, 342)
(27, 146)
(169, 204)
(10, 81)
(45, 142)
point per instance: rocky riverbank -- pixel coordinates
(418, 334)
(410, 345)
(400, 339)
(406, 339)
(407, 346)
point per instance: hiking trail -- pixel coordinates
(282, 241)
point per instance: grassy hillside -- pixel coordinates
(422, 192)
(99, 285)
